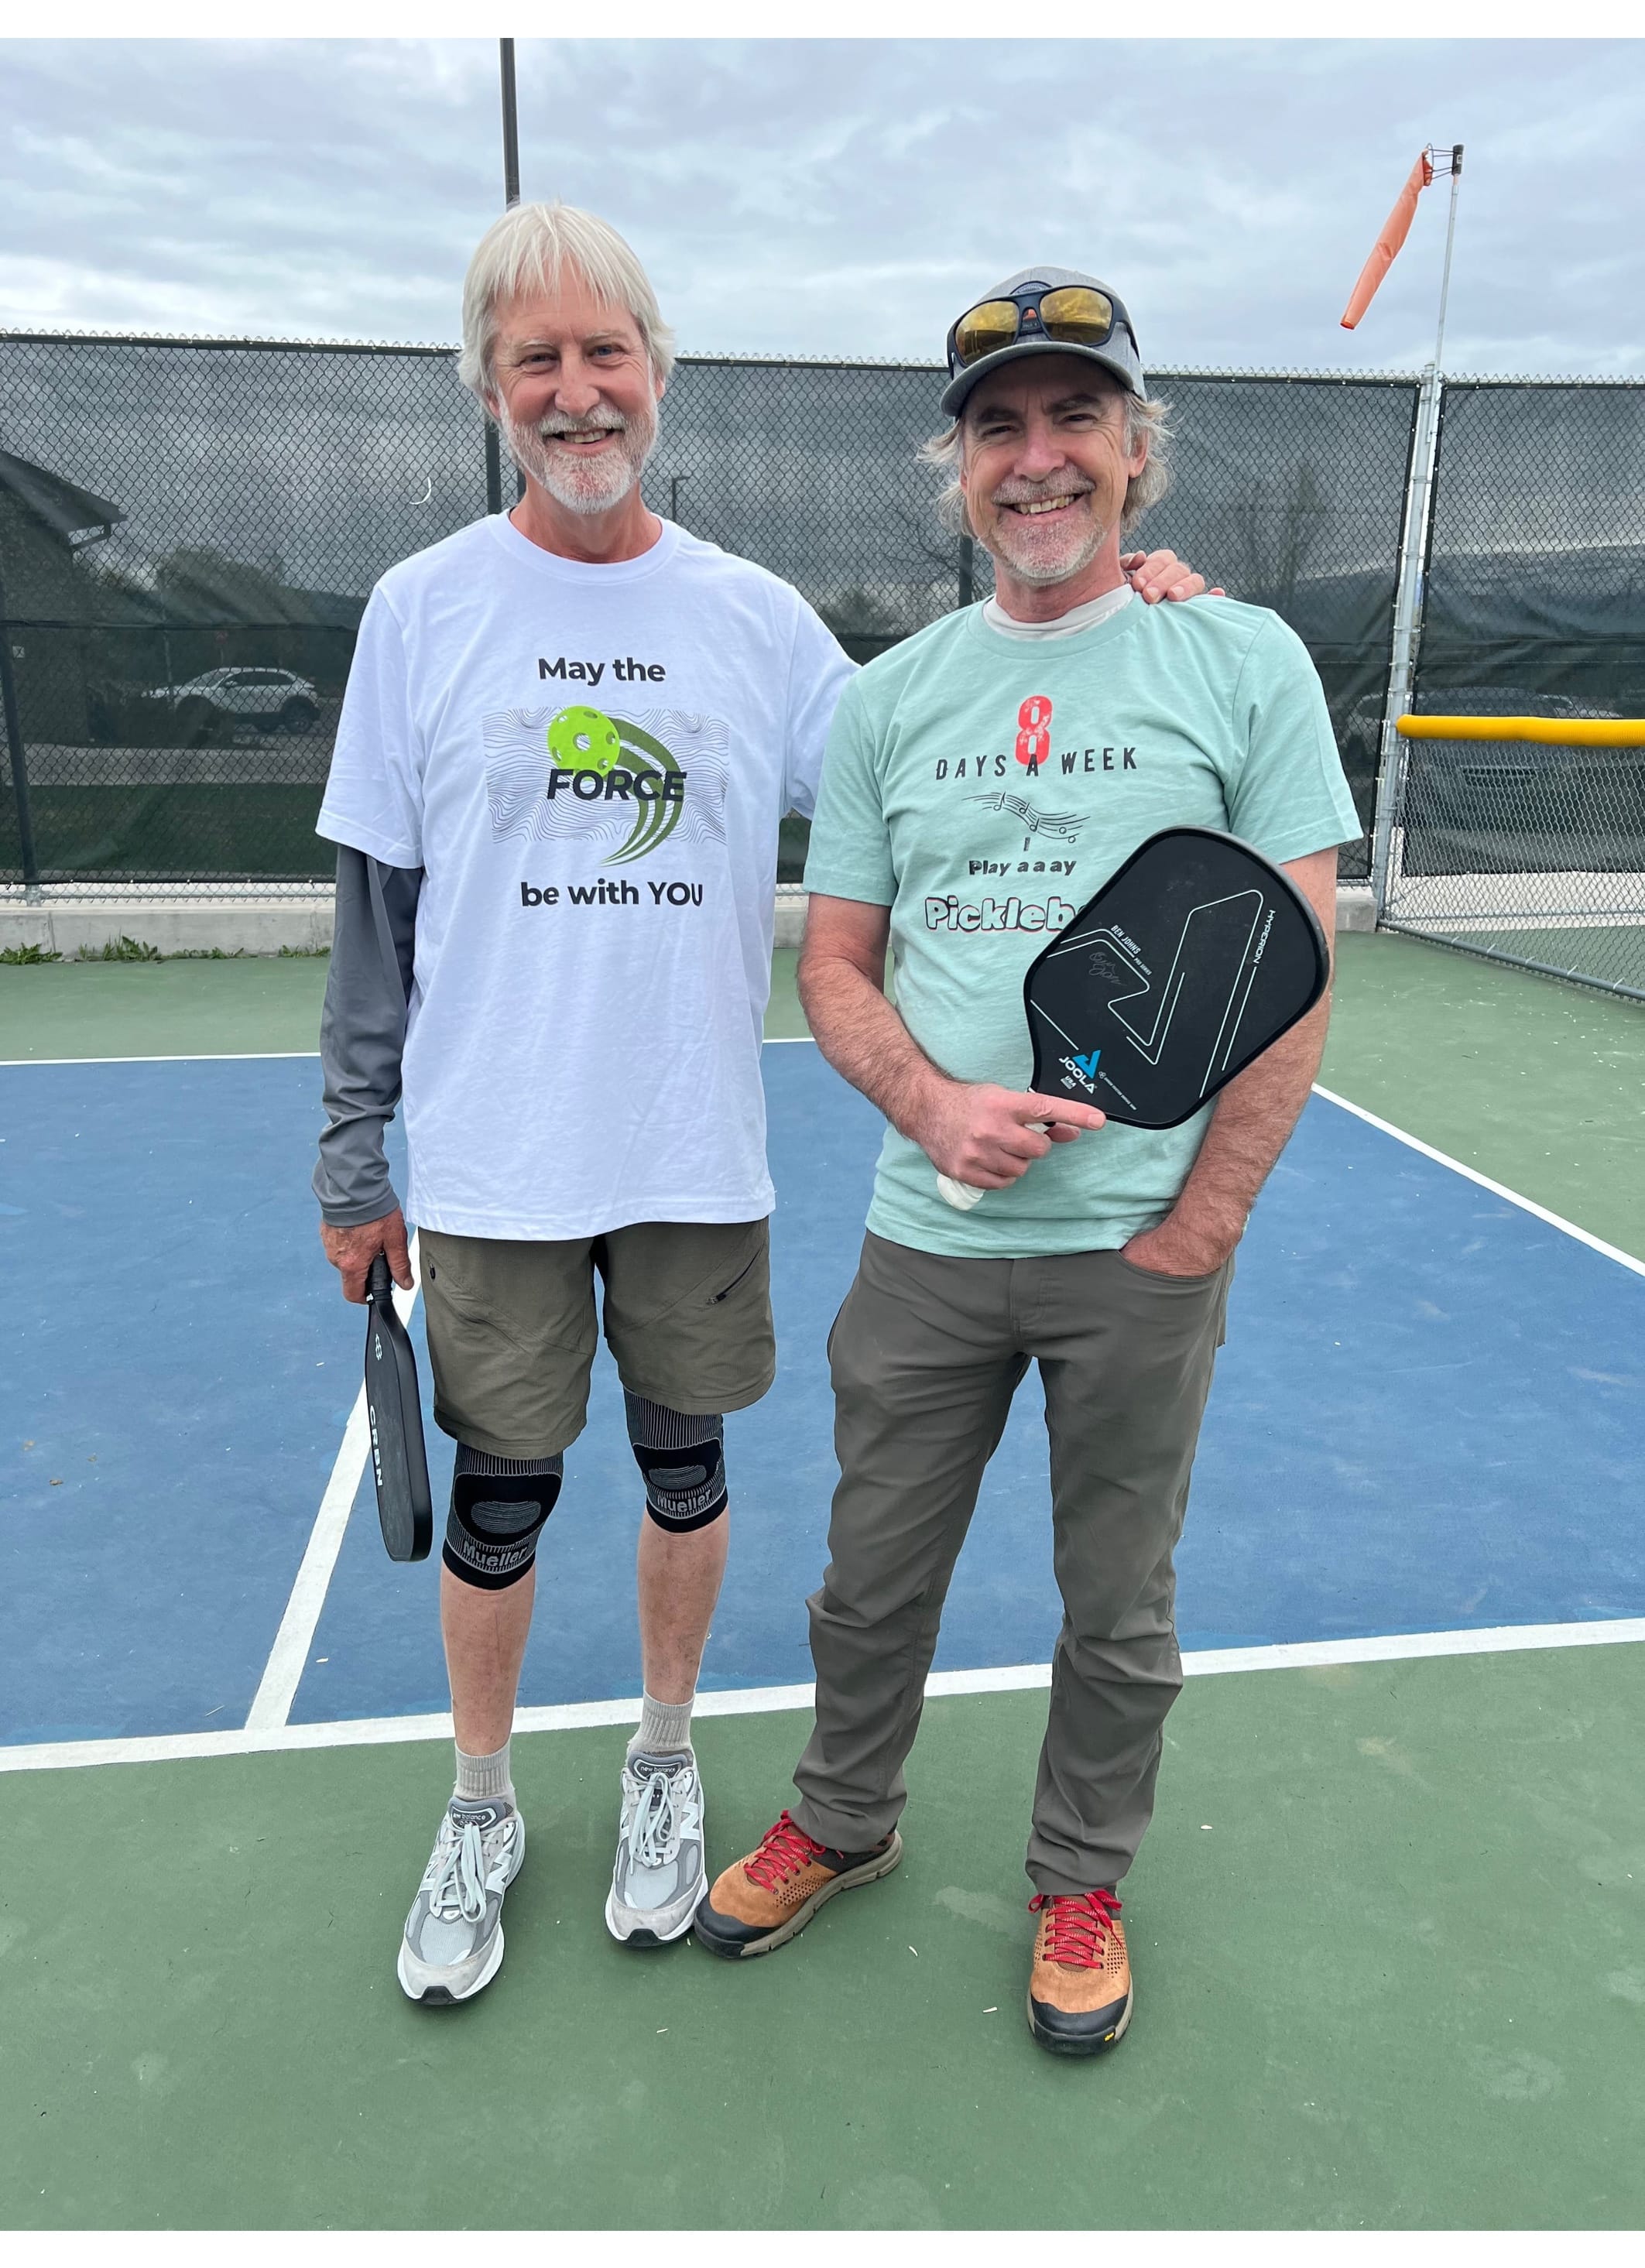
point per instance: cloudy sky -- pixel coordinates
(844, 197)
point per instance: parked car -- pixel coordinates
(272, 700)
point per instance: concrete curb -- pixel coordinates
(298, 921)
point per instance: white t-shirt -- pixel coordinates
(590, 764)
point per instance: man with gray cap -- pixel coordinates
(981, 782)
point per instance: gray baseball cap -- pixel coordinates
(1117, 352)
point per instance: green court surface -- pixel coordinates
(1389, 1926)
(1400, 1981)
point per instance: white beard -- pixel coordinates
(1043, 551)
(586, 485)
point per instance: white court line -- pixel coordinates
(763, 1700)
(261, 1055)
(283, 1672)
(285, 1054)
(1484, 1182)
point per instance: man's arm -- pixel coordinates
(362, 1033)
(979, 1135)
(1251, 1123)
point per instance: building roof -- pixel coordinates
(66, 509)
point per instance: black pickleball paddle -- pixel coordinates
(405, 1508)
(1193, 958)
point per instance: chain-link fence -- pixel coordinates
(1533, 606)
(1525, 852)
(189, 530)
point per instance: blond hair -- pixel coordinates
(529, 249)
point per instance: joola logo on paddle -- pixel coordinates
(1084, 1067)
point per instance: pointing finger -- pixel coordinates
(1061, 1112)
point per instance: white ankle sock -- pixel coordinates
(481, 1778)
(665, 1728)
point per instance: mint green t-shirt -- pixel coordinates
(984, 787)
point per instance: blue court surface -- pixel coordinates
(1428, 1416)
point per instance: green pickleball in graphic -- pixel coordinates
(584, 741)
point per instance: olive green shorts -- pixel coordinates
(512, 1327)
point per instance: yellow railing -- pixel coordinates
(1550, 732)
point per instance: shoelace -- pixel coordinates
(654, 1832)
(458, 1881)
(784, 1850)
(1074, 1934)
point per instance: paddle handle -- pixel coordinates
(960, 1195)
(379, 1284)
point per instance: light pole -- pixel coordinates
(511, 197)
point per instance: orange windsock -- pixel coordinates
(1396, 228)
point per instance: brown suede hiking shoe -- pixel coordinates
(1080, 1995)
(768, 1898)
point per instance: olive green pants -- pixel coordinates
(926, 1353)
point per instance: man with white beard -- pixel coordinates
(537, 706)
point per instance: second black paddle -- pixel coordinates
(405, 1509)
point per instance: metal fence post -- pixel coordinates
(967, 570)
(13, 720)
(1407, 632)
(493, 469)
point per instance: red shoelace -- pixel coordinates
(1074, 1934)
(784, 1850)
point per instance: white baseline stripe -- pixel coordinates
(285, 1055)
(264, 1054)
(761, 1700)
(283, 1671)
(1484, 1182)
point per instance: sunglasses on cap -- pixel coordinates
(1072, 315)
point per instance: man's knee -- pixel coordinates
(683, 1460)
(499, 1506)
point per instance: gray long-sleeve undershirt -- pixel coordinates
(362, 1033)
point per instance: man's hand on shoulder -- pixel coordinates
(352, 1250)
(1157, 575)
(988, 1137)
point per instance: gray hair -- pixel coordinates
(527, 249)
(1145, 421)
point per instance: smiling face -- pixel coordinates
(575, 393)
(1045, 469)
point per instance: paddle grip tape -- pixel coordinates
(683, 1460)
(499, 1506)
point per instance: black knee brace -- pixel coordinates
(498, 1508)
(683, 1462)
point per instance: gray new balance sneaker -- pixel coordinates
(657, 1883)
(453, 1945)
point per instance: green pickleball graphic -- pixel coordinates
(584, 741)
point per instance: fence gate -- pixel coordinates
(1527, 845)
